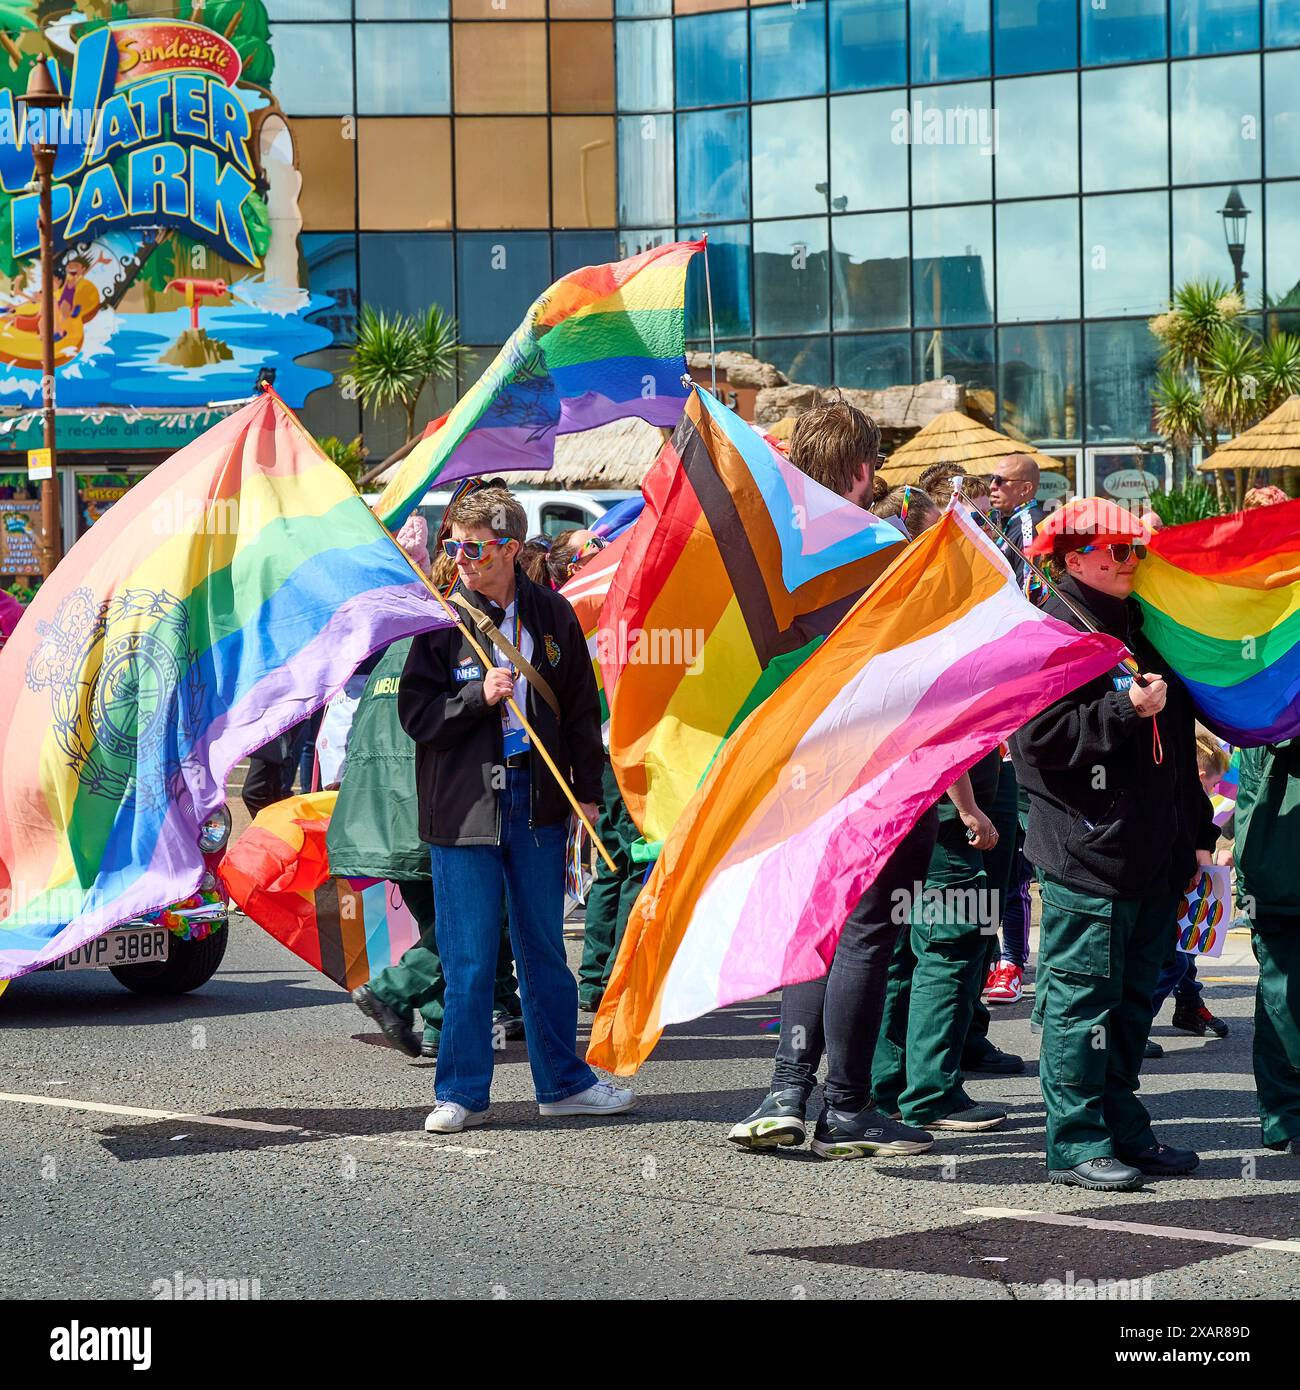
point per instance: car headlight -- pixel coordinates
(215, 831)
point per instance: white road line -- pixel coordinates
(1134, 1228)
(140, 1113)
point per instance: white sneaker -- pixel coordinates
(449, 1118)
(603, 1098)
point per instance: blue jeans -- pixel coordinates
(1179, 978)
(467, 887)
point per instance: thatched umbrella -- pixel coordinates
(955, 438)
(1273, 443)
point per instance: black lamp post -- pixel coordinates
(42, 96)
(1234, 213)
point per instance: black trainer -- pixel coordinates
(1098, 1175)
(777, 1123)
(994, 1062)
(395, 1028)
(970, 1117)
(867, 1134)
(1162, 1161)
(429, 1049)
(1152, 1051)
(511, 1024)
(1197, 1019)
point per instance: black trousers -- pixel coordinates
(840, 1013)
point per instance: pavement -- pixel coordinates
(259, 1130)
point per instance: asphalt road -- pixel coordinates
(258, 1130)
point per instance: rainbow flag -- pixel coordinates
(587, 591)
(1221, 604)
(216, 605)
(939, 662)
(604, 343)
(277, 872)
(738, 567)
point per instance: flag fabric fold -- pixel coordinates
(738, 567)
(604, 343)
(1221, 604)
(215, 606)
(940, 661)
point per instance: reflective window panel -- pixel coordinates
(790, 279)
(1200, 243)
(389, 9)
(1037, 134)
(1122, 367)
(645, 170)
(950, 39)
(873, 361)
(1038, 260)
(788, 50)
(572, 250)
(804, 360)
(1123, 31)
(952, 265)
(1125, 254)
(965, 354)
(499, 274)
(869, 270)
(868, 165)
(1125, 128)
(729, 273)
(330, 263)
(403, 69)
(582, 67)
(1281, 23)
(642, 7)
(318, 82)
(868, 43)
(1212, 26)
(1282, 114)
(713, 165)
(1040, 381)
(1033, 36)
(951, 132)
(645, 66)
(790, 158)
(1283, 265)
(407, 271)
(713, 59)
(1214, 115)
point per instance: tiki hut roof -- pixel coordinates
(955, 438)
(1273, 443)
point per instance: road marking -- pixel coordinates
(259, 1126)
(1135, 1228)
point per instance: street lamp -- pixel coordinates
(43, 96)
(1234, 213)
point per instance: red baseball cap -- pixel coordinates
(1087, 521)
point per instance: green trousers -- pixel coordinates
(1098, 961)
(933, 986)
(1276, 942)
(417, 981)
(613, 892)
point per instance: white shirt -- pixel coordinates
(523, 639)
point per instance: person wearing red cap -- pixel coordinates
(1118, 822)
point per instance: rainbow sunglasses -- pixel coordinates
(472, 550)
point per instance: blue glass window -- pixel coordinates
(1122, 368)
(713, 59)
(645, 65)
(952, 265)
(789, 143)
(1281, 23)
(499, 275)
(403, 69)
(869, 151)
(1212, 26)
(645, 171)
(950, 39)
(790, 279)
(1282, 268)
(728, 253)
(952, 134)
(868, 44)
(1282, 113)
(1214, 116)
(788, 50)
(393, 9)
(317, 81)
(1125, 254)
(642, 7)
(1123, 31)
(407, 271)
(803, 360)
(575, 249)
(330, 262)
(965, 354)
(1125, 128)
(870, 271)
(309, 9)
(1039, 381)
(1037, 136)
(873, 361)
(1201, 244)
(1038, 260)
(713, 165)
(1033, 35)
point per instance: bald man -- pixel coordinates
(1013, 488)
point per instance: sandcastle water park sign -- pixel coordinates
(175, 218)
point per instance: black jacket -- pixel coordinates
(1019, 529)
(1104, 816)
(458, 735)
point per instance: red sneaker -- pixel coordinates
(1007, 987)
(991, 979)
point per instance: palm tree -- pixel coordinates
(397, 355)
(350, 456)
(1230, 369)
(1199, 309)
(1279, 370)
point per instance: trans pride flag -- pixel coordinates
(217, 604)
(604, 343)
(940, 661)
(737, 568)
(1221, 604)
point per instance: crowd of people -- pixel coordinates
(1101, 799)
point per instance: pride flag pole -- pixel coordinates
(482, 656)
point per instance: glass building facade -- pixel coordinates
(999, 191)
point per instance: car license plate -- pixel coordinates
(134, 946)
